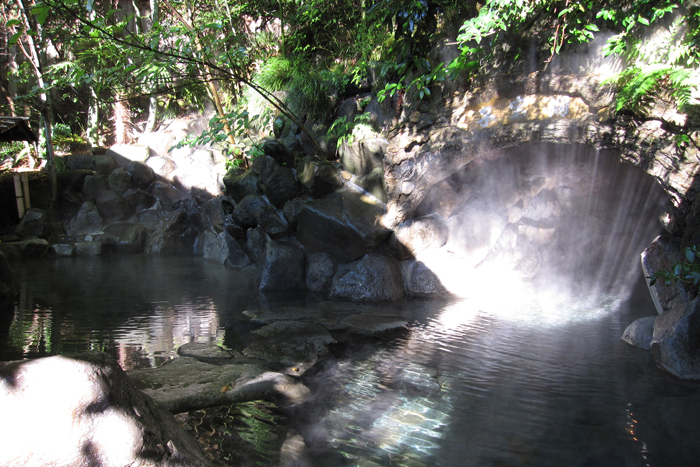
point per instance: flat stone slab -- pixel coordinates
(207, 353)
(290, 343)
(369, 325)
(185, 384)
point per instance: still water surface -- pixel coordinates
(523, 379)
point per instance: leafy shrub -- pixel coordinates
(686, 272)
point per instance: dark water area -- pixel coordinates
(138, 308)
(542, 379)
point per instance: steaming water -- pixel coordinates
(469, 387)
(522, 373)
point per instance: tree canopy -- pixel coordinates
(110, 70)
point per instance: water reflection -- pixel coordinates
(140, 309)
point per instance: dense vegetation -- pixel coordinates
(108, 71)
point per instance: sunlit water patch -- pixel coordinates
(469, 386)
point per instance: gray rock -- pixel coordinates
(676, 340)
(320, 269)
(172, 235)
(207, 353)
(291, 210)
(239, 185)
(33, 224)
(640, 332)
(124, 153)
(362, 157)
(88, 248)
(69, 202)
(165, 193)
(263, 166)
(95, 416)
(30, 248)
(80, 162)
(93, 186)
(215, 213)
(127, 237)
(282, 269)
(104, 165)
(119, 181)
(374, 278)
(346, 226)
(185, 384)
(62, 249)
(278, 152)
(664, 253)
(256, 244)
(271, 222)
(141, 174)
(373, 183)
(139, 199)
(319, 178)
(415, 236)
(224, 249)
(87, 221)
(113, 207)
(422, 282)
(281, 186)
(244, 214)
(163, 166)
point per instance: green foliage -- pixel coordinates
(244, 129)
(660, 67)
(686, 272)
(348, 132)
(13, 152)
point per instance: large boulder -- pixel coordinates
(141, 174)
(362, 157)
(91, 414)
(126, 237)
(374, 278)
(345, 225)
(272, 223)
(239, 185)
(165, 193)
(122, 154)
(663, 254)
(256, 242)
(87, 221)
(139, 199)
(676, 340)
(282, 269)
(640, 333)
(33, 224)
(421, 281)
(172, 235)
(320, 269)
(113, 207)
(224, 249)
(278, 152)
(119, 181)
(319, 178)
(244, 213)
(93, 185)
(281, 186)
(415, 236)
